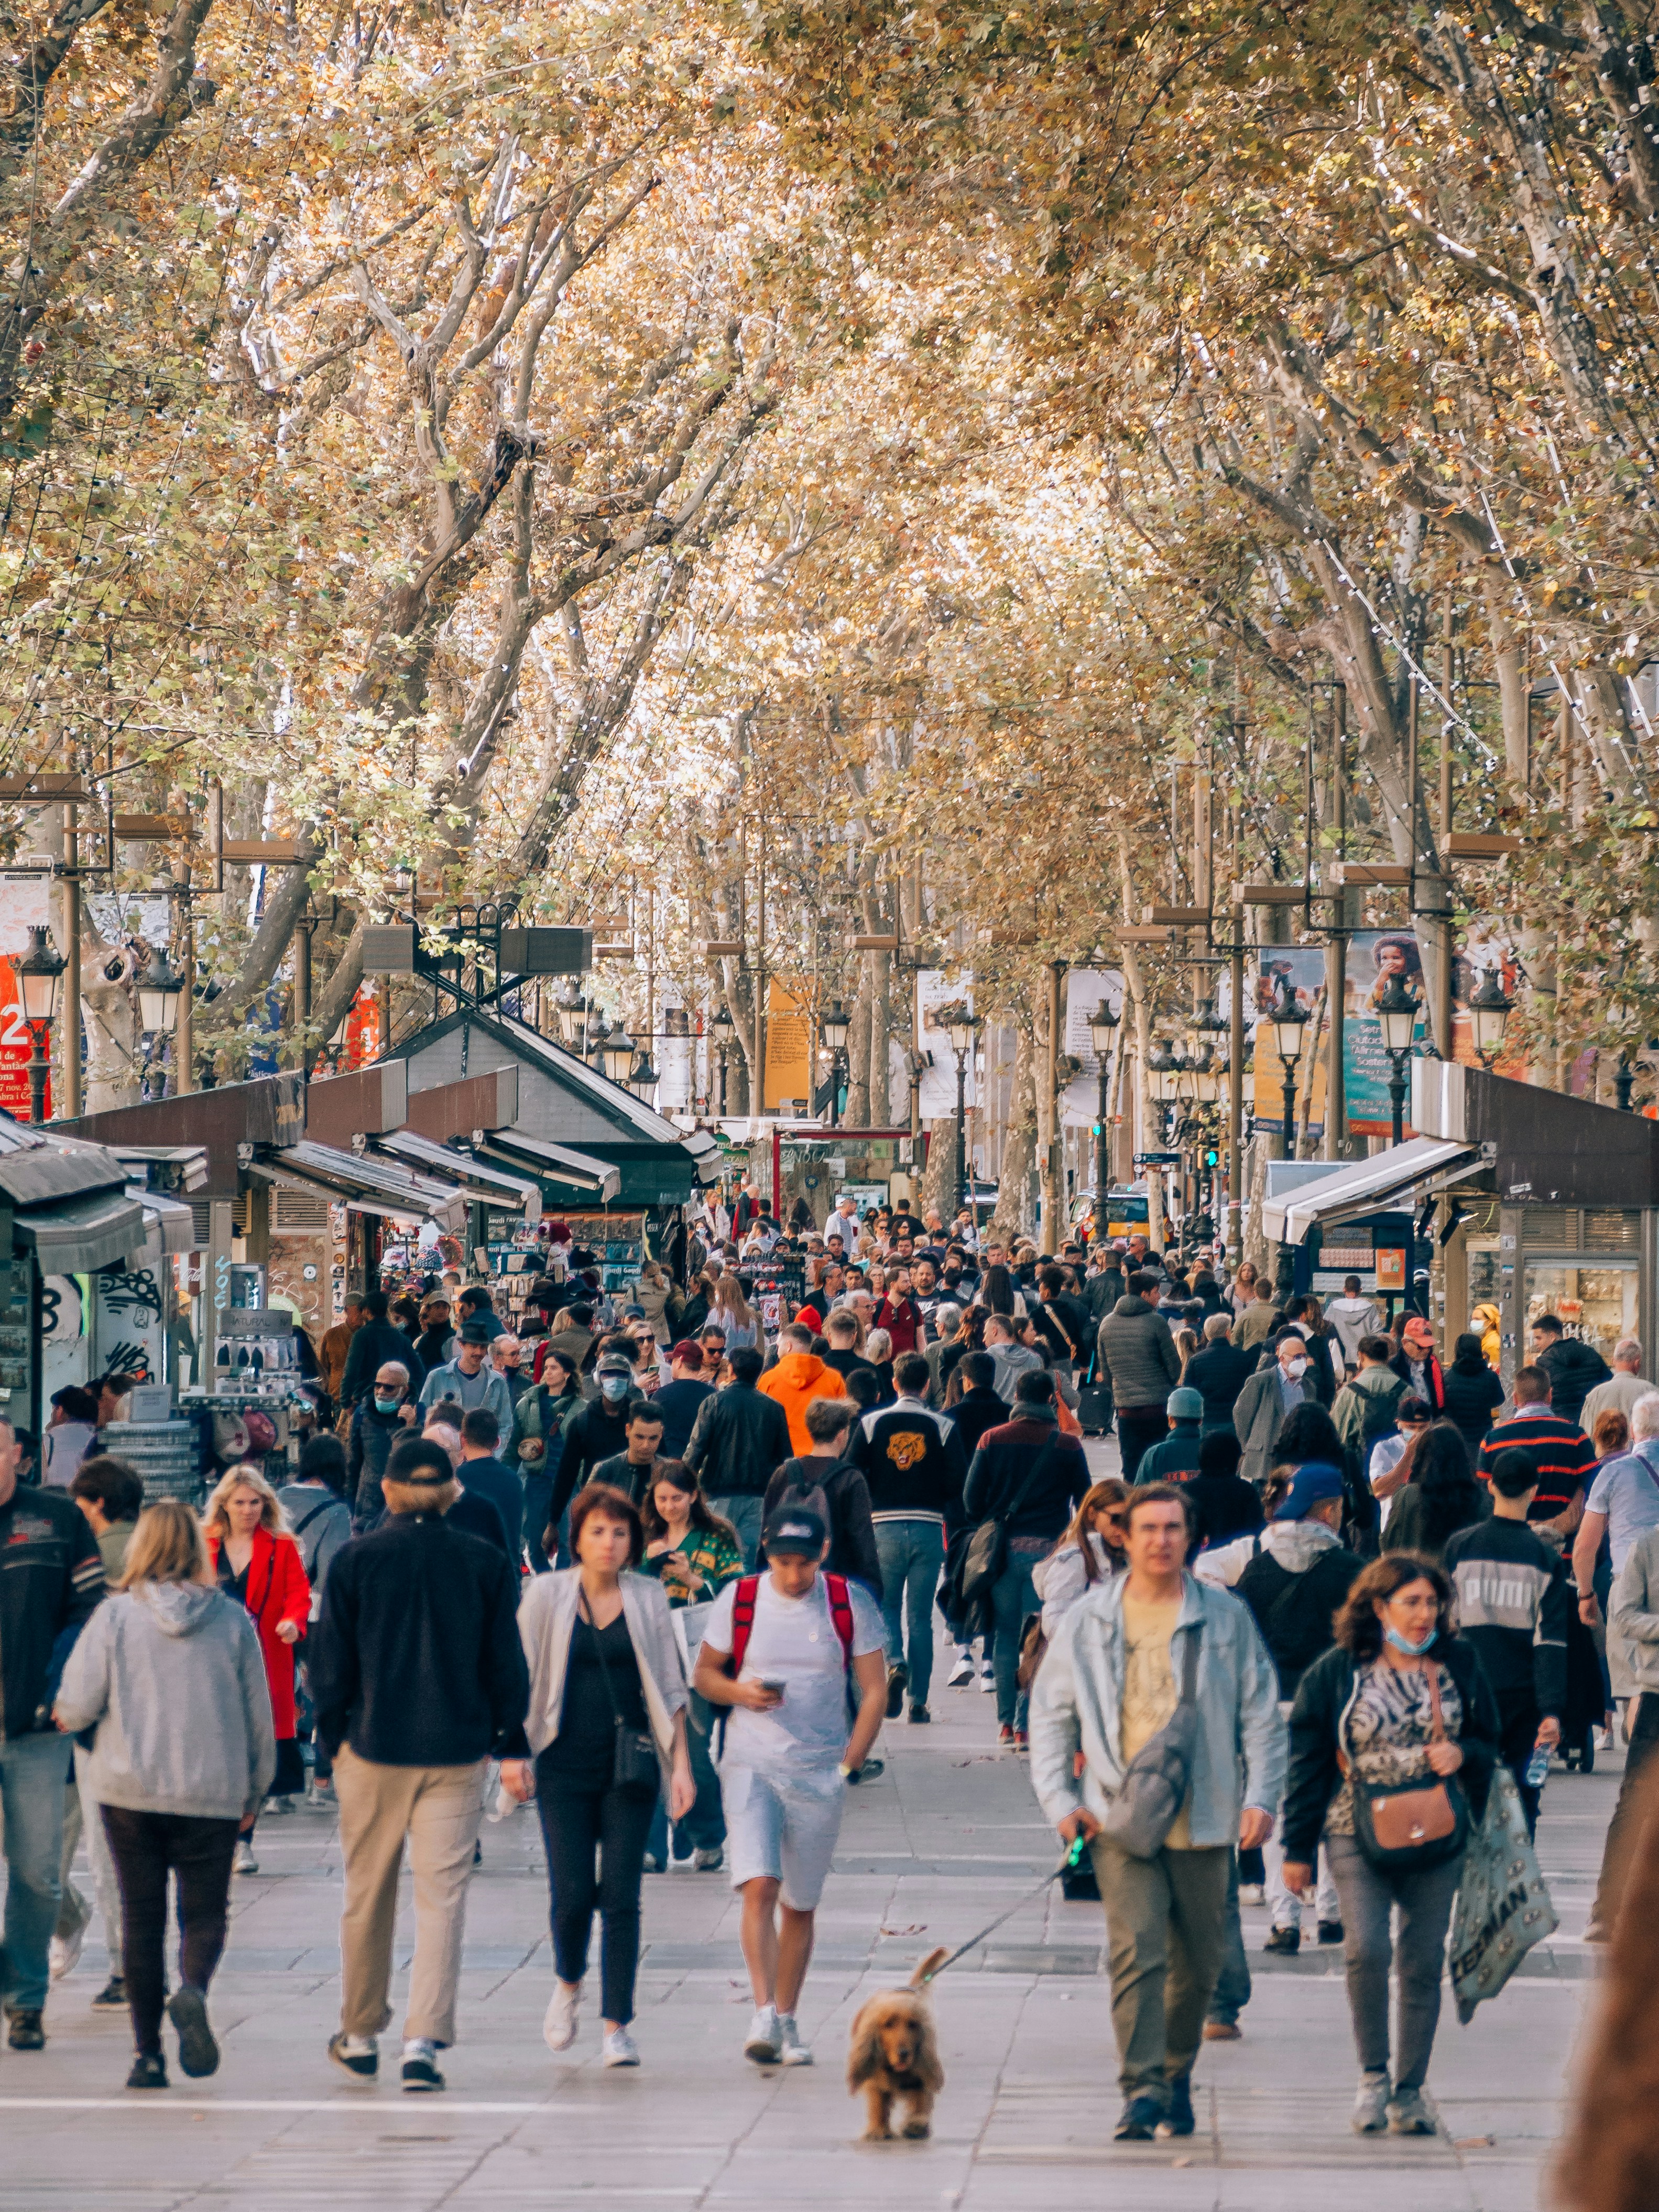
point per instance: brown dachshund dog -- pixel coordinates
(894, 2055)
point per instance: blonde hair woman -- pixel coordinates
(254, 1560)
(168, 1672)
(734, 1313)
(655, 1292)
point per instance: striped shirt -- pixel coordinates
(1563, 1457)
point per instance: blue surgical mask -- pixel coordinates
(386, 1405)
(614, 1386)
(1403, 1643)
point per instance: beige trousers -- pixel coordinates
(439, 1809)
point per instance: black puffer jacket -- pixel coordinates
(1574, 1369)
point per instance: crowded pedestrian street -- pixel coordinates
(829, 1107)
(948, 1840)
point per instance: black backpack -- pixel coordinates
(1294, 1612)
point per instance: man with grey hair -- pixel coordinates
(947, 1347)
(1619, 1393)
(1623, 1504)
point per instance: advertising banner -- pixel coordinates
(1375, 955)
(1301, 970)
(789, 1049)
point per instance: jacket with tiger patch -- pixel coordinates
(912, 1458)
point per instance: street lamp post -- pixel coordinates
(721, 1028)
(1102, 1028)
(961, 1027)
(1289, 1024)
(160, 989)
(39, 972)
(1489, 1016)
(1396, 1014)
(834, 1027)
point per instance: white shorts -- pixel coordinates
(788, 1836)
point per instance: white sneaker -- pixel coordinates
(962, 1671)
(795, 2052)
(279, 1805)
(619, 2049)
(764, 2043)
(1252, 1893)
(63, 1952)
(988, 1681)
(559, 2025)
(245, 1861)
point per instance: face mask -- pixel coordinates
(1403, 1643)
(1296, 1368)
(614, 1386)
(386, 1405)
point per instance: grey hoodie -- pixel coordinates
(170, 1675)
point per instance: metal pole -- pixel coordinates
(1336, 957)
(1102, 1144)
(961, 1130)
(184, 1035)
(39, 1064)
(1234, 1231)
(72, 964)
(1397, 1095)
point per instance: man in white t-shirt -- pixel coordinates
(802, 1641)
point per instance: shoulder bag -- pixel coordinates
(1417, 1823)
(635, 1765)
(1155, 1782)
(986, 1553)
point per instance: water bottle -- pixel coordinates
(1538, 1767)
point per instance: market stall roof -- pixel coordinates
(563, 1101)
(1362, 1187)
(69, 1199)
(1543, 1147)
(175, 1220)
(368, 1185)
(487, 1186)
(77, 1234)
(577, 1174)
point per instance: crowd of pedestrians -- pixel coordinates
(668, 1574)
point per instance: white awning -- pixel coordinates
(367, 1184)
(1362, 1187)
(578, 1172)
(490, 1186)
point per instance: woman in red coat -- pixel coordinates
(256, 1561)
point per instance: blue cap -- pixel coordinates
(1184, 1404)
(1310, 1486)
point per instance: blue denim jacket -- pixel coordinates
(1076, 1706)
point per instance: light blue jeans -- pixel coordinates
(912, 1554)
(33, 1770)
(1013, 1596)
(744, 1515)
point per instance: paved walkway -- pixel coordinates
(945, 1841)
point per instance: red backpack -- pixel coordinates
(743, 1618)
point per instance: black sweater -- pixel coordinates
(1005, 1462)
(1315, 1778)
(1515, 1606)
(415, 1660)
(1473, 1394)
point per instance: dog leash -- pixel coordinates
(1069, 1864)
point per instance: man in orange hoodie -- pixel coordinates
(798, 1377)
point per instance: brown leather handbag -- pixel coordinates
(1417, 1824)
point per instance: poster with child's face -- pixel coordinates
(1299, 971)
(1375, 956)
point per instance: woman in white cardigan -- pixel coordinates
(606, 1728)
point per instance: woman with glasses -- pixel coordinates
(1090, 1551)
